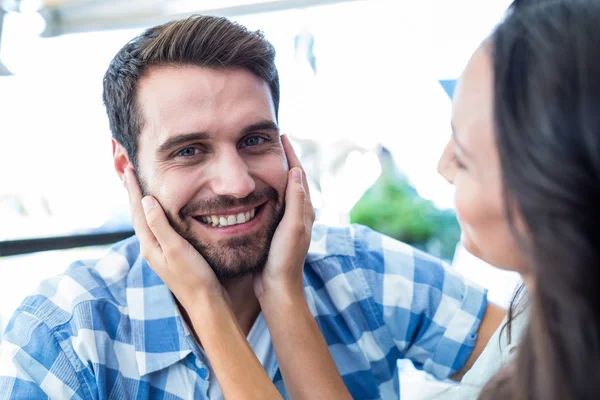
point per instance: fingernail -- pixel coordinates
(297, 174)
(148, 203)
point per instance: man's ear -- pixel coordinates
(120, 158)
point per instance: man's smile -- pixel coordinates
(234, 220)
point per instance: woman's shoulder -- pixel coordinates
(499, 350)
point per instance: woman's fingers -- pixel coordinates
(294, 218)
(171, 243)
(294, 162)
(293, 159)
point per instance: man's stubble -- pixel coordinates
(234, 257)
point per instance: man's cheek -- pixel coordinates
(169, 202)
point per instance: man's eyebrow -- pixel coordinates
(458, 144)
(180, 139)
(264, 125)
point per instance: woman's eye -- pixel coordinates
(188, 152)
(253, 141)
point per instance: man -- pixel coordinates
(192, 106)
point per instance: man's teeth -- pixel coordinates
(228, 220)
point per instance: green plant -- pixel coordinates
(393, 207)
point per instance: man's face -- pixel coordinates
(210, 153)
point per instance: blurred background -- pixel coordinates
(366, 98)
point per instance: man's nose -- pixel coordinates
(231, 176)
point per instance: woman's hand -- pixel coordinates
(283, 270)
(174, 259)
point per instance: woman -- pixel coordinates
(525, 161)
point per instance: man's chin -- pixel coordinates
(237, 262)
(235, 257)
(238, 255)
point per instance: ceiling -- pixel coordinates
(73, 16)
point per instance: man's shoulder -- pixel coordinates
(356, 259)
(370, 249)
(84, 286)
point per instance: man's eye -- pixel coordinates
(253, 141)
(188, 152)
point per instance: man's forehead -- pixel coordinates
(195, 99)
(169, 88)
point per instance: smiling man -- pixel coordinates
(192, 106)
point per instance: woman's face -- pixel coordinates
(471, 163)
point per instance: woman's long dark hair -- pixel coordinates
(546, 61)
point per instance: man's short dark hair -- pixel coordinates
(204, 41)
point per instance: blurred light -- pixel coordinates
(10, 5)
(30, 23)
(360, 172)
(27, 6)
(187, 6)
(20, 37)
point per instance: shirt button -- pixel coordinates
(203, 373)
(198, 363)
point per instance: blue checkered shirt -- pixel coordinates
(110, 328)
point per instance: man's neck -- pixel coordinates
(244, 303)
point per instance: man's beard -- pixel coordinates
(237, 256)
